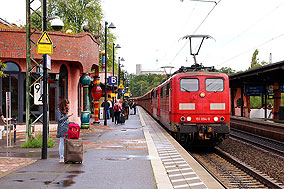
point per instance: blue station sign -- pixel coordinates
(251, 90)
(112, 80)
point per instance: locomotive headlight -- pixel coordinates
(202, 95)
(188, 118)
(222, 119)
(182, 118)
(215, 119)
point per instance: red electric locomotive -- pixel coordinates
(193, 106)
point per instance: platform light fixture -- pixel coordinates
(111, 26)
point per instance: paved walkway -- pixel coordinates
(138, 154)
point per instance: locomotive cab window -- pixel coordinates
(214, 84)
(189, 84)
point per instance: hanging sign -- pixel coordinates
(38, 94)
(121, 86)
(44, 44)
(112, 80)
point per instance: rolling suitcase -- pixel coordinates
(122, 118)
(73, 150)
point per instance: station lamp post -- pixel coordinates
(105, 107)
(113, 47)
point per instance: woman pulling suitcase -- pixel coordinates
(62, 118)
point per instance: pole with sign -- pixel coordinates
(44, 47)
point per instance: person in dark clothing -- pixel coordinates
(125, 107)
(2, 117)
(107, 110)
(134, 107)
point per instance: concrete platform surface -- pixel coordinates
(137, 154)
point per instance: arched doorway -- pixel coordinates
(10, 83)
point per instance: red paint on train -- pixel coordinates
(193, 106)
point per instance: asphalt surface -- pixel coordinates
(115, 156)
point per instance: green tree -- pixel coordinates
(226, 70)
(255, 61)
(141, 84)
(76, 13)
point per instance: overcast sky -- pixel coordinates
(149, 31)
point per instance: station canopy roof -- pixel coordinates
(265, 75)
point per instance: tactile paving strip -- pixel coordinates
(180, 173)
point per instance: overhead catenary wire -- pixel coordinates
(196, 29)
(246, 30)
(254, 23)
(253, 48)
(187, 20)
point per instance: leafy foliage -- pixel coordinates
(141, 84)
(110, 40)
(76, 13)
(226, 70)
(255, 61)
(35, 142)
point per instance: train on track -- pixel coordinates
(193, 104)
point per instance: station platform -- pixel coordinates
(137, 154)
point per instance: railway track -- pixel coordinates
(232, 173)
(259, 141)
(262, 128)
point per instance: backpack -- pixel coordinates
(115, 108)
(73, 131)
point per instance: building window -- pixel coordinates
(63, 83)
(11, 66)
(10, 84)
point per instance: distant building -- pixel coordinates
(140, 72)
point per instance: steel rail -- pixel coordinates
(268, 182)
(263, 146)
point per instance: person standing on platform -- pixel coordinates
(117, 110)
(2, 116)
(107, 110)
(134, 107)
(62, 118)
(125, 107)
(110, 108)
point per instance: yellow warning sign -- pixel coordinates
(44, 39)
(44, 44)
(121, 86)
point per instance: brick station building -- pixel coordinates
(73, 56)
